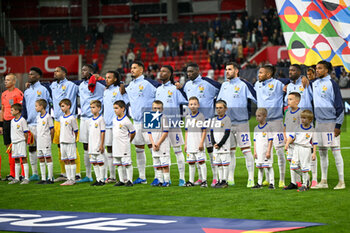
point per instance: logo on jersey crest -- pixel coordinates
(44, 123)
(324, 89)
(114, 94)
(18, 126)
(96, 125)
(264, 134)
(307, 136)
(294, 119)
(64, 88)
(66, 123)
(141, 88)
(201, 88)
(222, 125)
(236, 89)
(120, 126)
(270, 85)
(170, 93)
(38, 93)
(301, 89)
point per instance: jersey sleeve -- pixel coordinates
(227, 123)
(180, 97)
(269, 133)
(314, 138)
(130, 127)
(103, 125)
(24, 126)
(50, 122)
(292, 135)
(74, 125)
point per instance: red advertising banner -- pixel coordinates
(47, 63)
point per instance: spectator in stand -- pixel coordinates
(212, 59)
(247, 25)
(138, 55)
(167, 50)
(123, 59)
(220, 59)
(228, 46)
(334, 77)
(281, 38)
(131, 56)
(239, 24)
(311, 73)
(174, 47)
(101, 30)
(94, 33)
(233, 31)
(223, 43)
(120, 70)
(204, 38)
(211, 34)
(95, 65)
(275, 38)
(234, 50)
(237, 39)
(217, 23)
(218, 32)
(210, 43)
(160, 50)
(181, 47)
(344, 79)
(217, 44)
(136, 19)
(240, 52)
(194, 41)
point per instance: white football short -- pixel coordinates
(221, 159)
(325, 135)
(240, 136)
(109, 137)
(84, 130)
(19, 149)
(68, 151)
(301, 158)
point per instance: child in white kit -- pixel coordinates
(263, 139)
(123, 134)
(303, 139)
(45, 132)
(97, 130)
(220, 134)
(19, 136)
(68, 138)
(194, 142)
(160, 148)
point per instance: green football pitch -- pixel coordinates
(331, 207)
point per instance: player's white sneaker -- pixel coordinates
(340, 185)
(25, 181)
(322, 185)
(14, 181)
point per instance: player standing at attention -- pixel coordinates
(172, 99)
(97, 130)
(34, 92)
(19, 136)
(160, 147)
(9, 97)
(263, 138)
(45, 132)
(123, 134)
(89, 90)
(110, 96)
(141, 93)
(62, 88)
(220, 138)
(68, 137)
(329, 114)
(206, 90)
(303, 139)
(194, 142)
(238, 95)
(270, 95)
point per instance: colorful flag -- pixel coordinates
(316, 30)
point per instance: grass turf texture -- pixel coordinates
(325, 206)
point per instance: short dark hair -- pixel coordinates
(116, 75)
(66, 102)
(96, 102)
(120, 103)
(271, 69)
(327, 64)
(17, 107)
(158, 102)
(41, 102)
(297, 66)
(296, 94)
(91, 67)
(234, 64)
(170, 68)
(221, 102)
(193, 98)
(311, 69)
(194, 65)
(37, 69)
(63, 69)
(139, 63)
